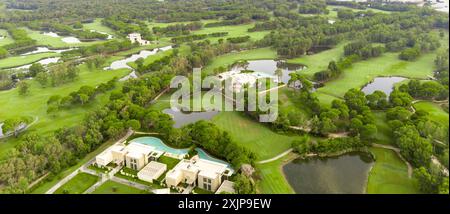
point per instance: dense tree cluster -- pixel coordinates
(178, 29)
(83, 96)
(428, 90)
(313, 7)
(190, 38)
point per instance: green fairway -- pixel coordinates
(389, 175)
(98, 26)
(387, 65)
(229, 59)
(56, 42)
(34, 104)
(319, 61)
(78, 184)
(16, 61)
(6, 38)
(436, 112)
(233, 31)
(111, 187)
(272, 177)
(253, 135)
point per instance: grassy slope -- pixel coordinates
(16, 61)
(111, 187)
(78, 184)
(272, 178)
(436, 112)
(253, 135)
(34, 104)
(389, 174)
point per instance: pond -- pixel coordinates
(267, 68)
(346, 174)
(384, 84)
(142, 54)
(45, 50)
(182, 118)
(159, 145)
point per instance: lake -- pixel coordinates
(384, 84)
(183, 118)
(142, 54)
(346, 174)
(266, 68)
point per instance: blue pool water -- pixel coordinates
(160, 146)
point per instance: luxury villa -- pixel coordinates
(134, 155)
(195, 172)
(198, 172)
(136, 37)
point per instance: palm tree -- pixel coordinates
(279, 74)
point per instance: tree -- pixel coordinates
(413, 147)
(279, 74)
(35, 69)
(24, 87)
(42, 78)
(244, 185)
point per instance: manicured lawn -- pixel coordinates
(253, 135)
(34, 104)
(233, 31)
(55, 42)
(272, 177)
(16, 61)
(170, 162)
(319, 61)
(389, 175)
(387, 65)
(111, 187)
(229, 59)
(98, 26)
(436, 112)
(78, 184)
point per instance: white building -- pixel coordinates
(152, 171)
(205, 174)
(136, 37)
(134, 155)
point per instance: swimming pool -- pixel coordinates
(160, 146)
